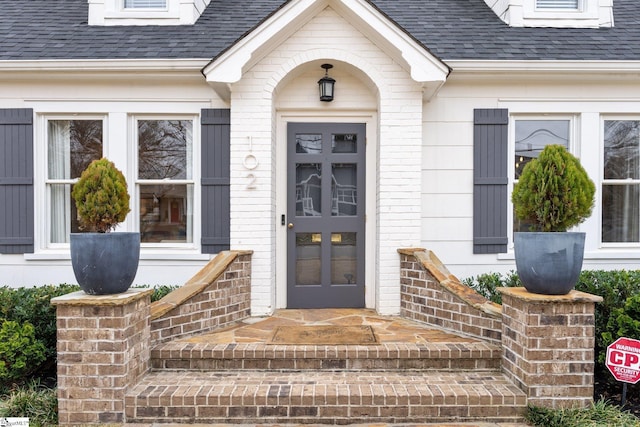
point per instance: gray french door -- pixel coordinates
(325, 215)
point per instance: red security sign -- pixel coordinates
(623, 360)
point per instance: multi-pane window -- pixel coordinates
(71, 146)
(621, 183)
(558, 4)
(145, 4)
(531, 136)
(165, 180)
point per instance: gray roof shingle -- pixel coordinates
(450, 29)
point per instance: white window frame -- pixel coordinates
(601, 181)
(44, 196)
(134, 188)
(573, 149)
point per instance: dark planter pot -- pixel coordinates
(105, 263)
(549, 263)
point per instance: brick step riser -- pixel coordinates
(330, 415)
(295, 412)
(326, 364)
(324, 397)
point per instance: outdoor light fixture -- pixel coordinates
(326, 84)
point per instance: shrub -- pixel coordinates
(33, 305)
(554, 192)
(101, 196)
(614, 287)
(37, 403)
(486, 284)
(20, 351)
(624, 322)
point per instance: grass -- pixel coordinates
(600, 414)
(38, 403)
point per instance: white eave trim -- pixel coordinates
(228, 67)
(104, 65)
(574, 67)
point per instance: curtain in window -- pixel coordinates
(145, 4)
(59, 167)
(621, 190)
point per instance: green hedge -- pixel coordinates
(617, 315)
(32, 306)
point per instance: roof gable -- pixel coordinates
(423, 65)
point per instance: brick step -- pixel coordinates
(323, 397)
(391, 356)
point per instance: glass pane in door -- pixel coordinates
(344, 193)
(310, 143)
(308, 259)
(308, 189)
(343, 258)
(344, 143)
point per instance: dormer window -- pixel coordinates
(558, 5)
(554, 13)
(145, 12)
(145, 4)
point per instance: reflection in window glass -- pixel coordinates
(344, 258)
(145, 4)
(165, 185)
(344, 143)
(165, 213)
(71, 146)
(164, 149)
(308, 189)
(310, 143)
(557, 4)
(531, 136)
(344, 192)
(308, 259)
(621, 185)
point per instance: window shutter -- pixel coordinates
(557, 4)
(16, 181)
(490, 180)
(215, 179)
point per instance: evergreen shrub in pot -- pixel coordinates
(103, 262)
(554, 193)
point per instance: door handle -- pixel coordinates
(290, 225)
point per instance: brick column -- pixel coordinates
(103, 348)
(548, 345)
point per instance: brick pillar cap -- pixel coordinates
(81, 298)
(572, 297)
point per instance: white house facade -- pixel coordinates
(211, 110)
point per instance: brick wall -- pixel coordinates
(430, 294)
(219, 295)
(103, 347)
(548, 345)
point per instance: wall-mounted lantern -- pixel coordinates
(326, 84)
